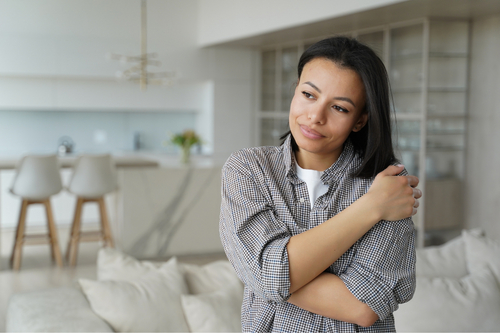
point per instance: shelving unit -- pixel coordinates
(279, 74)
(428, 68)
(427, 62)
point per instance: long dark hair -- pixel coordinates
(373, 142)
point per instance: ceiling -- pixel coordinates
(403, 11)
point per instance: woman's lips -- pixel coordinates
(310, 133)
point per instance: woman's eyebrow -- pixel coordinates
(313, 85)
(345, 99)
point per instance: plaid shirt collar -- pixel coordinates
(344, 164)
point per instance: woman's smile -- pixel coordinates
(310, 133)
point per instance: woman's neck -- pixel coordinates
(313, 161)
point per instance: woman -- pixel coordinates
(319, 229)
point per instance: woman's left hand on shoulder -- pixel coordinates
(395, 196)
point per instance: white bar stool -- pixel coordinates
(37, 179)
(93, 177)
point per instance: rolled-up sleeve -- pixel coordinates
(382, 274)
(253, 238)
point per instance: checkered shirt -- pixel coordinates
(264, 203)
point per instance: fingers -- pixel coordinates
(412, 181)
(416, 204)
(417, 193)
(392, 170)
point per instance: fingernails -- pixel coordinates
(400, 165)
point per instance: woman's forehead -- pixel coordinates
(324, 75)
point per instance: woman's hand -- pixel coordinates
(395, 197)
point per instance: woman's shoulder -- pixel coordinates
(370, 179)
(255, 158)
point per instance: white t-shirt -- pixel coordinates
(312, 178)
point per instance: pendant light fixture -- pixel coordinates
(139, 73)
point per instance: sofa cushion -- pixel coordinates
(447, 260)
(115, 265)
(217, 311)
(469, 304)
(62, 309)
(480, 252)
(221, 304)
(147, 304)
(210, 277)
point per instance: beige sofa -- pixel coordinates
(138, 296)
(458, 290)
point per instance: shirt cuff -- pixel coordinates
(372, 291)
(276, 271)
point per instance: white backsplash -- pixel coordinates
(23, 132)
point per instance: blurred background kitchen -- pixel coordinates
(63, 85)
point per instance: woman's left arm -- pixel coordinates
(381, 276)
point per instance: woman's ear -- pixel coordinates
(362, 120)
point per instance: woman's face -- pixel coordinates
(328, 104)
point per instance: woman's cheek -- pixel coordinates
(295, 109)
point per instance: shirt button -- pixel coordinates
(302, 200)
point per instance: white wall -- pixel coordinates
(70, 38)
(234, 97)
(483, 137)
(227, 20)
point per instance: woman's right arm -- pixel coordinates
(253, 238)
(390, 198)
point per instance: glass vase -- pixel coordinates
(185, 154)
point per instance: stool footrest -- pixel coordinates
(36, 239)
(90, 236)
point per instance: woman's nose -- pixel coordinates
(317, 113)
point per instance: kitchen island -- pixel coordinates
(161, 208)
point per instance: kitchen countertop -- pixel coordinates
(129, 159)
(7, 163)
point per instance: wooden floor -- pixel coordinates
(38, 272)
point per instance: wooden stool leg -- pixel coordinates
(71, 234)
(54, 241)
(106, 230)
(15, 259)
(74, 239)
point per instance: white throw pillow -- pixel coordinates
(218, 311)
(480, 252)
(148, 304)
(135, 295)
(210, 277)
(115, 265)
(470, 304)
(447, 260)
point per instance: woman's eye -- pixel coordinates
(341, 109)
(308, 95)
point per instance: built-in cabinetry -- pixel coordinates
(427, 63)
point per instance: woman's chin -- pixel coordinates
(309, 144)
(310, 148)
